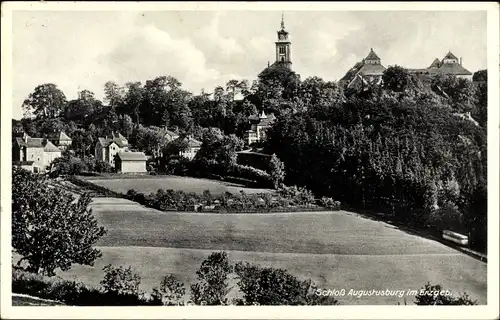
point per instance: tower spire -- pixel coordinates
(282, 21)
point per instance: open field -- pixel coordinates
(148, 184)
(338, 250)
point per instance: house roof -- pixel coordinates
(172, 134)
(450, 55)
(453, 68)
(30, 142)
(435, 64)
(372, 70)
(50, 147)
(193, 143)
(64, 137)
(23, 163)
(116, 138)
(132, 156)
(372, 55)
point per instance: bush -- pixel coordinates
(298, 195)
(433, 295)
(71, 292)
(212, 286)
(120, 280)
(268, 286)
(330, 203)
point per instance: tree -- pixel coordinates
(46, 101)
(50, 228)
(114, 95)
(212, 286)
(84, 107)
(269, 286)
(398, 79)
(170, 292)
(277, 171)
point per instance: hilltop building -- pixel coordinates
(368, 71)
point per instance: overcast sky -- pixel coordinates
(203, 49)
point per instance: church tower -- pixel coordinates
(283, 46)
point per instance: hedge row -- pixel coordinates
(72, 292)
(289, 199)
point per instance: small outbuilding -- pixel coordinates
(130, 162)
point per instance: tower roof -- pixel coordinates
(435, 64)
(282, 29)
(372, 55)
(450, 55)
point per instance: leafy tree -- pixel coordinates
(83, 107)
(50, 229)
(277, 171)
(212, 286)
(398, 79)
(459, 92)
(114, 95)
(170, 292)
(45, 102)
(123, 281)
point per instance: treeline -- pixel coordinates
(402, 149)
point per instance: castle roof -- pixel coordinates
(372, 70)
(454, 68)
(435, 64)
(372, 55)
(64, 137)
(450, 55)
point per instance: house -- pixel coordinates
(106, 148)
(169, 135)
(258, 127)
(193, 147)
(35, 154)
(368, 71)
(50, 152)
(61, 140)
(130, 162)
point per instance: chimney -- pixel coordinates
(268, 64)
(460, 60)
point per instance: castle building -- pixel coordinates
(449, 65)
(368, 71)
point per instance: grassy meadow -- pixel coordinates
(148, 184)
(338, 250)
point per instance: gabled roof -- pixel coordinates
(116, 138)
(450, 55)
(454, 68)
(372, 55)
(64, 137)
(435, 64)
(50, 147)
(30, 142)
(132, 156)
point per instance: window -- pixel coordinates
(282, 50)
